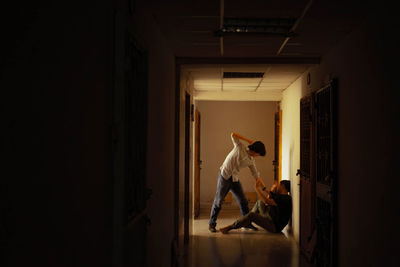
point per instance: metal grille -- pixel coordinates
(305, 137)
(323, 117)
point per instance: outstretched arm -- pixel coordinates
(242, 138)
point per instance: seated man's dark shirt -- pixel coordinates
(282, 212)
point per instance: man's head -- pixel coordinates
(284, 187)
(257, 149)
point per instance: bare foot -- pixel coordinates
(225, 229)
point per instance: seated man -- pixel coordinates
(272, 212)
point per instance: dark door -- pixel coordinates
(187, 168)
(136, 193)
(326, 175)
(197, 167)
(129, 134)
(307, 177)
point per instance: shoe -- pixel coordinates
(251, 227)
(212, 228)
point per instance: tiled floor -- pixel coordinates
(239, 247)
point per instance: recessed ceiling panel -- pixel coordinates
(242, 75)
(242, 80)
(239, 88)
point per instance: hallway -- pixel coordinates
(239, 247)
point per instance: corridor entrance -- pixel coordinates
(245, 98)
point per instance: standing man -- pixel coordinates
(241, 156)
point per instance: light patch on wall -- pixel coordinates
(290, 106)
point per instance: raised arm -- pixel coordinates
(236, 135)
(263, 193)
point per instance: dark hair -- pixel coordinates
(258, 147)
(286, 184)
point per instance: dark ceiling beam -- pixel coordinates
(221, 25)
(293, 29)
(249, 60)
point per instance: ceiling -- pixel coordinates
(209, 82)
(190, 28)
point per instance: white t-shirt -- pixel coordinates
(237, 159)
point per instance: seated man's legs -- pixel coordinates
(259, 207)
(259, 215)
(263, 221)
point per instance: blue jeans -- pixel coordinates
(223, 188)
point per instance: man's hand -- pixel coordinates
(274, 186)
(242, 138)
(264, 195)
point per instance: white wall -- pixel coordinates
(254, 120)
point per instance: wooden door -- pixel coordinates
(326, 175)
(135, 130)
(307, 177)
(197, 167)
(278, 146)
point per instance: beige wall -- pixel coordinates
(366, 144)
(254, 120)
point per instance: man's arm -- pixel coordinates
(265, 198)
(263, 193)
(236, 135)
(254, 172)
